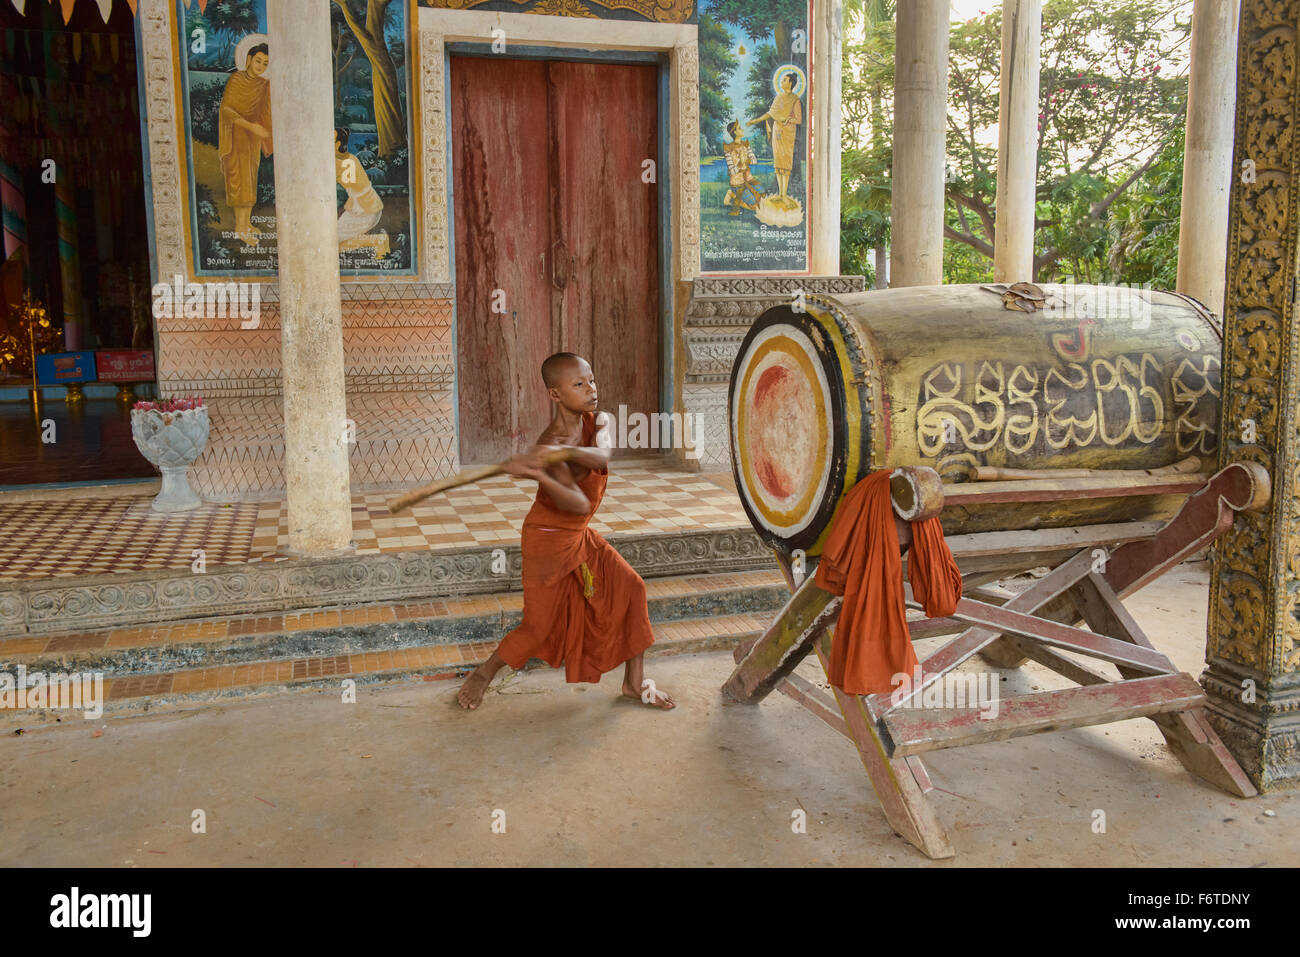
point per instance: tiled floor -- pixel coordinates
(57, 539)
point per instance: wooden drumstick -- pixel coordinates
(986, 473)
(467, 477)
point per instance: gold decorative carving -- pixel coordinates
(660, 11)
(1253, 616)
(1254, 622)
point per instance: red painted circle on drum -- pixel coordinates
(781, 399)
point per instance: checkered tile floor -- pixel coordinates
(89, 537)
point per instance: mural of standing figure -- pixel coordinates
(363, 209)
(740, 157)
(783, 118)
(245, 131)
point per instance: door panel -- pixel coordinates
(499, 136)
(551, 210)
(606, 218)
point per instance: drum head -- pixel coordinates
(789, 447)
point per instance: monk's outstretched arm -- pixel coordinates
(597, 457)
(556, 479)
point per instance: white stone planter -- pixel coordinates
(172, 442)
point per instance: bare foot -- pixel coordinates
(471, 692)
(650, 695)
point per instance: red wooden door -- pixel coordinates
(556, 223)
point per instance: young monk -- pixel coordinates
(584, 605)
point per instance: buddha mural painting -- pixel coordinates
(245, 131)
(782, 118)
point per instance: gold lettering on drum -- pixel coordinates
(944, 418)
(1110, 402)
(1022, 427)
(1193, 432)
(1107, 377)
(1077, 382)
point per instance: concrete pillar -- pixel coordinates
(1013, 246)
(316, 430)
(1207, 158)
(1253, 674)
(827, 47)
(920, 112)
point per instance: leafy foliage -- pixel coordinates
(716, 66)
(1109, 147)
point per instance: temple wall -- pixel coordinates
(399, 336)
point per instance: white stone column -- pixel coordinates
(316, 430)
(1207, 158)
(920, 114)
(1013, 246)
(827, 49)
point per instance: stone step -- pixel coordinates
(49, 606)
(236, 655)
(194, 687)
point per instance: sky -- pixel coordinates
(965, 9)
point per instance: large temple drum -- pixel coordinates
(825, 390)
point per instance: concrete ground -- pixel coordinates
(578, 777)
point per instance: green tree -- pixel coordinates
(1110, 113)
(716, 67)
(773, 21)
(867, 139)
(368, 27)
(1104, 113)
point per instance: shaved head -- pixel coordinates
(554, 366)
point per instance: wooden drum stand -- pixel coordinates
(1093, 568)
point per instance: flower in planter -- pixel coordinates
(171, 404)
(172, 441)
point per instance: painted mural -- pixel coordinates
(227, 68)
(754, 113)
(655, 11)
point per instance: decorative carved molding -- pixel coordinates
(164, 149)
(688, 158)
(710, 401)
(379, 289)
(783, 286)
(433, 131)
(659, 11)
(104, 601)
(1254, 622)
(721, 310)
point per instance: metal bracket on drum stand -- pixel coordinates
(1039, 623)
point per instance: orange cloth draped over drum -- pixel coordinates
(861, 561)
(584, 605)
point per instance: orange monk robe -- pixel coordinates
(584, 605)
(861, 561)
(240, 150)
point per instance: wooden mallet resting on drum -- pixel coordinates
(468, 477)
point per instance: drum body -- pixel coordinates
(1102, 377)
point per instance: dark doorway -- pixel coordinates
(76, 245)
